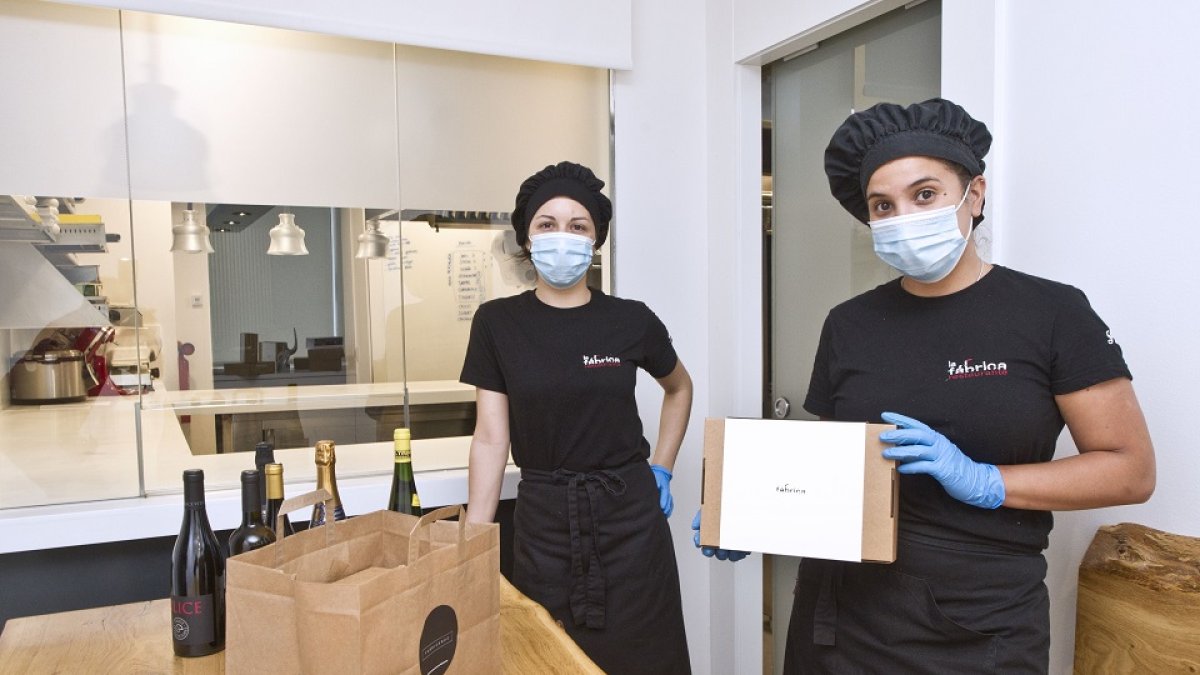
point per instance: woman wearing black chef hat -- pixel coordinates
(979, 367)
(554, 370)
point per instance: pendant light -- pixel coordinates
(190, 236)
(287, 238)
(372, 243)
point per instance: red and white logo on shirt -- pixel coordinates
(972, 367)
(594, 361)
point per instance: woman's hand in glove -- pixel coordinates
(920, 449)
(662, 478)
(713, 552)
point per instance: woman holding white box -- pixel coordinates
(979, 367)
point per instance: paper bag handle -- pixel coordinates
(432, 517)
(295, 504)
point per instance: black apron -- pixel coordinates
(595, 550)
(935, 610)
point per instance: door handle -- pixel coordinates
(782, 408)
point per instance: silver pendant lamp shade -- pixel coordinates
(190, 236)
(287, 238)
(372, 243)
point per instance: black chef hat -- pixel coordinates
(869, 139)
(565, 179)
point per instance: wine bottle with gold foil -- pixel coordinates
(326, 479)
(197, 577)
(275, 500)
(404, 497)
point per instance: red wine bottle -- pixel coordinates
(197, 577)
(253, 532)
(275, 500)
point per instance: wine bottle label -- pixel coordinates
(403, 455)
(193, 620)
(416, 501)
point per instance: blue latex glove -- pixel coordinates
(920, 449)
(662, 478)
(710, 551)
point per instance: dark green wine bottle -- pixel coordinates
(404, 488)
(253, 532)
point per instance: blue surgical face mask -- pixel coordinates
(925, 245)
(561, 258)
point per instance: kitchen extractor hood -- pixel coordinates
(36, 295)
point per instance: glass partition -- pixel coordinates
(187, 159)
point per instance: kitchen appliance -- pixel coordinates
(130, 371)
(90, 342)
(52, 376)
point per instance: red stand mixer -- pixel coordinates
(91, 341)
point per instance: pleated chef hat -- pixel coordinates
(565, 179)
(869, 139)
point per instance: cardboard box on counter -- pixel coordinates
(810, 489)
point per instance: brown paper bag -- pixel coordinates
(380, 593)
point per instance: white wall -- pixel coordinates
(203, 127)
(473, 127)
(588, 34)
(661, 252)
(69, 132)
(1098, 151)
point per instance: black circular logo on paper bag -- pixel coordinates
(439, 639)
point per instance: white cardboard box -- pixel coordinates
(798, 488)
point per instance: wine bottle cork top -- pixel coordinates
(401, 434)
(271, 469)
(325, 453)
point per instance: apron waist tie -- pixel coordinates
(826, 612)
(587, 579)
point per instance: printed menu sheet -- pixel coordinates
(793, 488)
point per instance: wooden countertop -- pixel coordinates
(135, 638)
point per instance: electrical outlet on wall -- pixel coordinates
(197, 300)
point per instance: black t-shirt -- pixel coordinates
(569, 375)
(982, 367)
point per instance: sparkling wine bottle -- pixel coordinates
(197, 577)
(327, 479)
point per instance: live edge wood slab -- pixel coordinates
(1138, 609)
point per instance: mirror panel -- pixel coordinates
(428, 146)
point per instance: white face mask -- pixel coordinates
(561, 258)
(925, 245)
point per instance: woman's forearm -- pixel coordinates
(485, 475)
(674, 416)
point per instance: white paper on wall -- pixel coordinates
(785, 477)
(446, 276)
